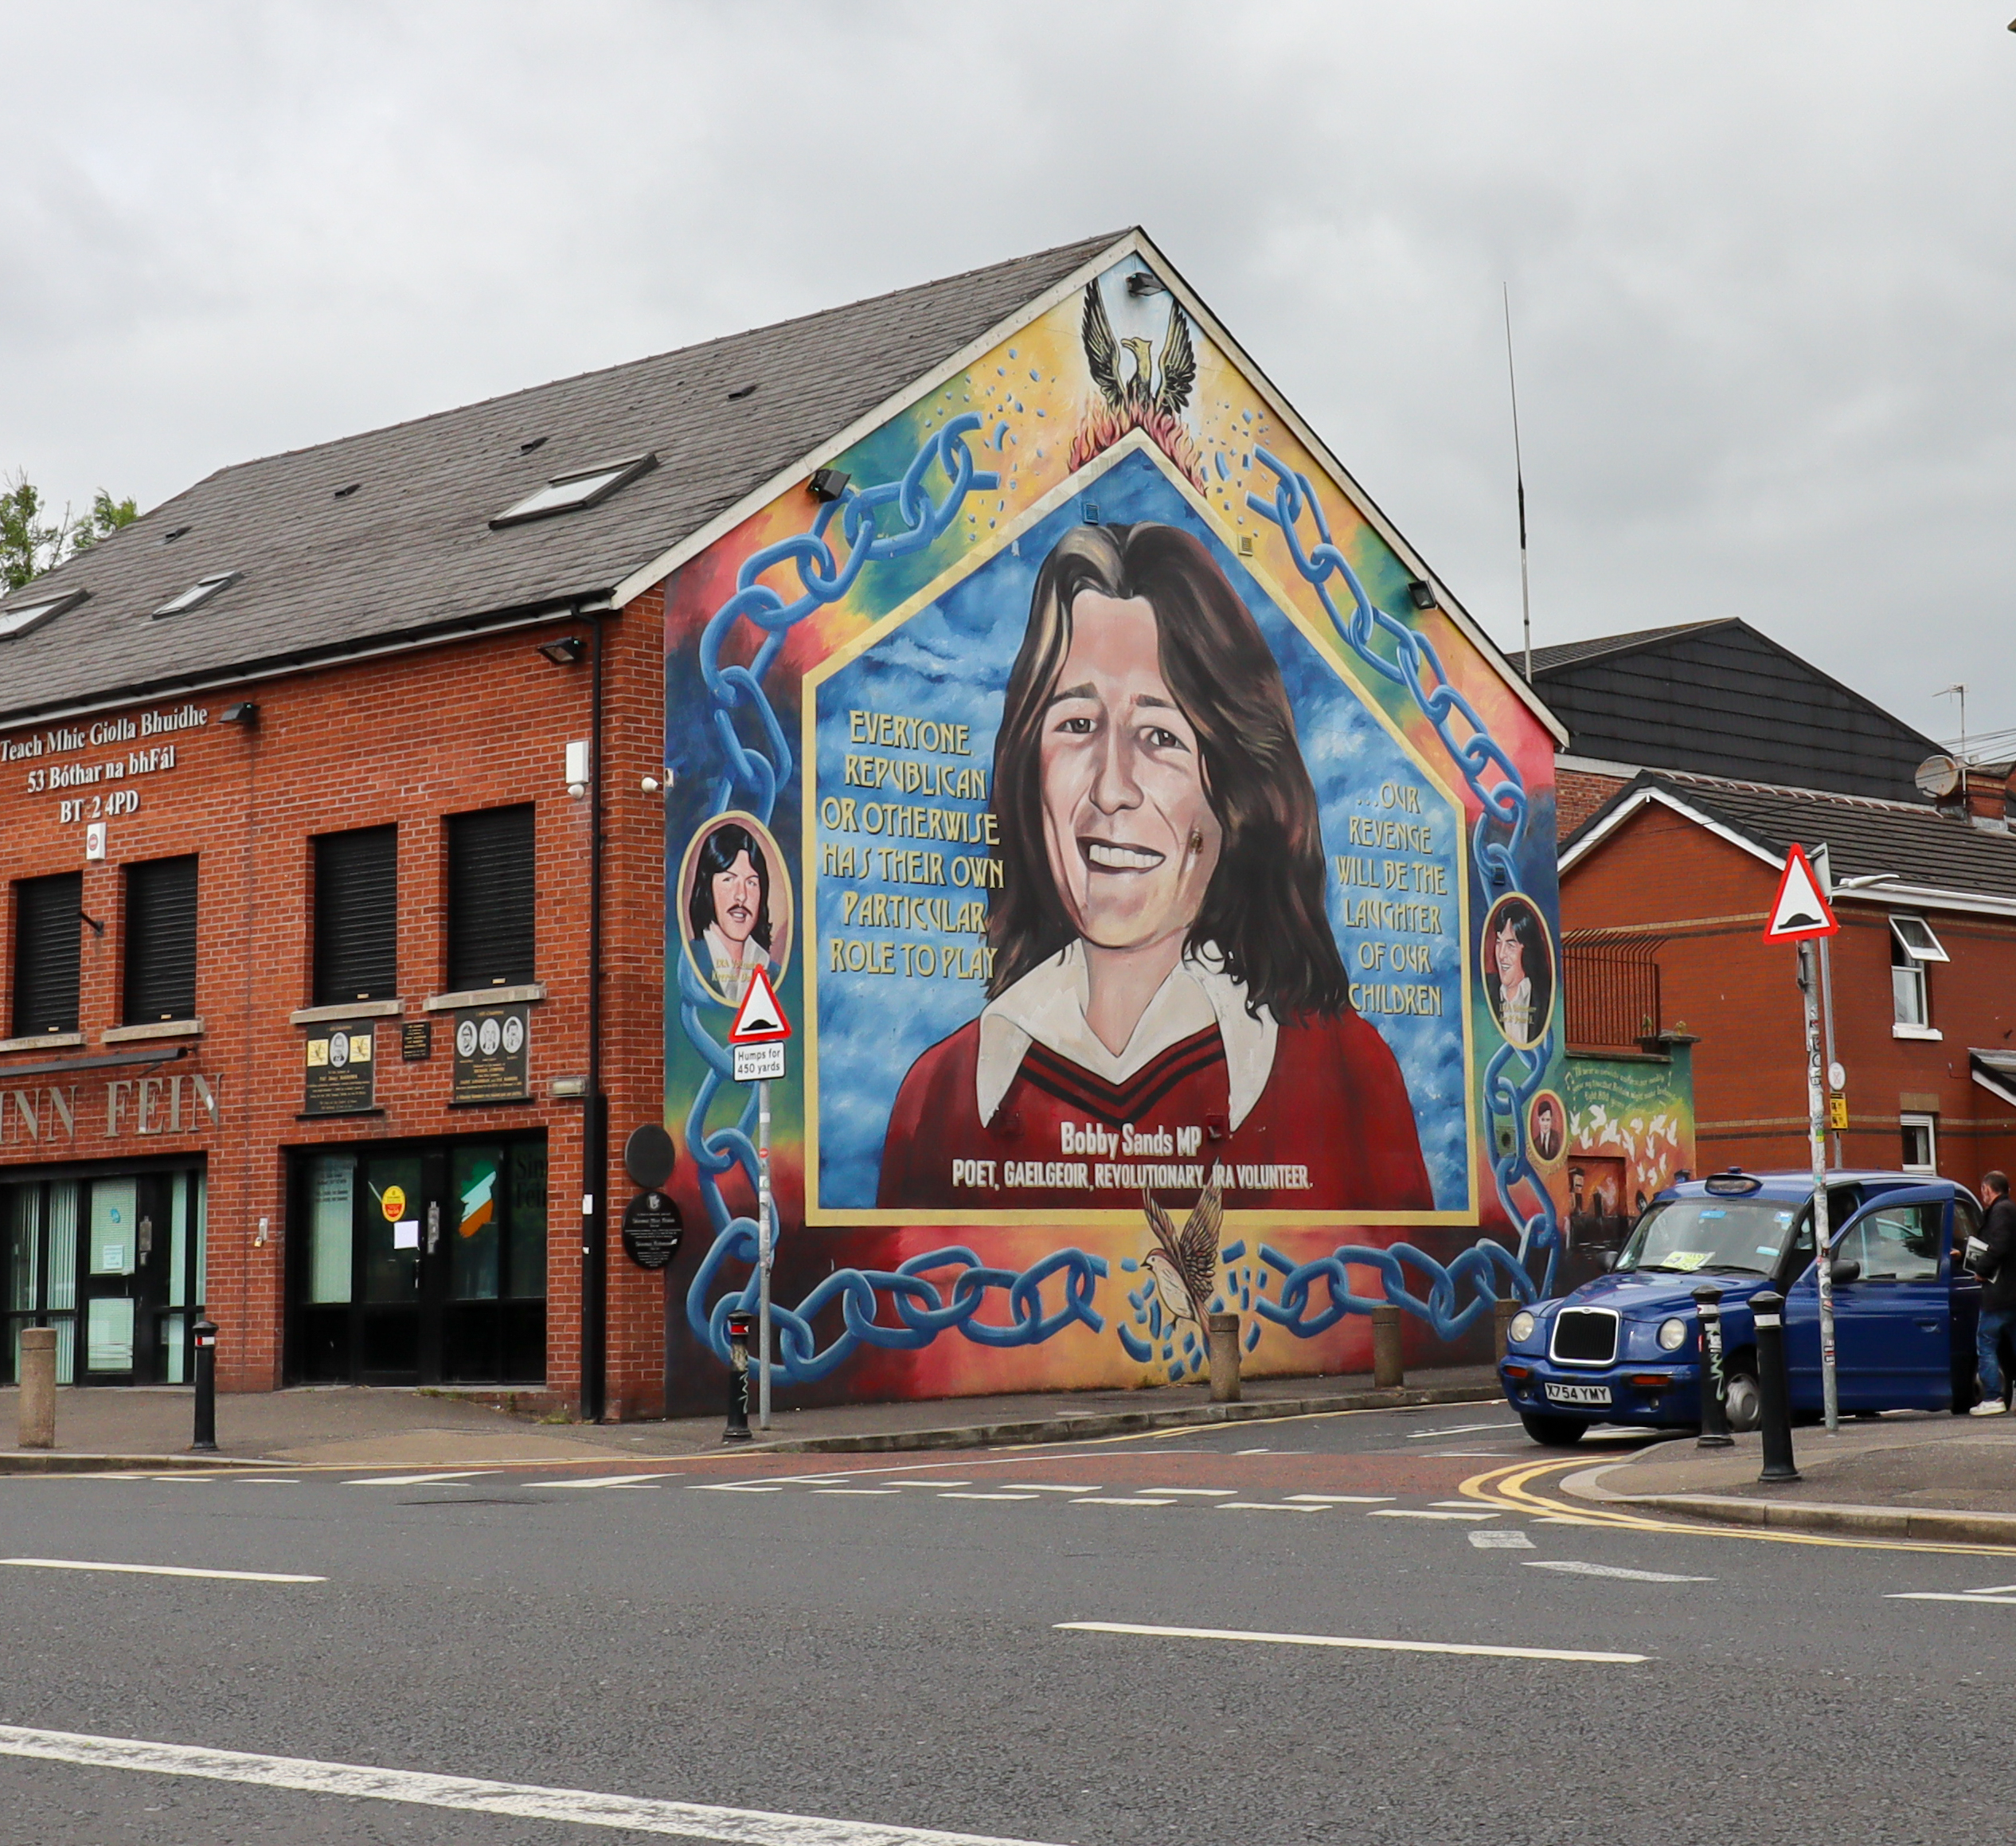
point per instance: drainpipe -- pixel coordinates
(595, 1109)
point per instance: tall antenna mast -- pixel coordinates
(1947, 691)
(1519, 475)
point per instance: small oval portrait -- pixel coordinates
(1519, 970)
(1547, 1126)
(735, 908)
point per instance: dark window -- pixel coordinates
(161, 940)
(48, 953)
(356, 916)
(490, 899)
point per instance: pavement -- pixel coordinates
(1346, 1624)
(367, 1427)
(1906, 1474)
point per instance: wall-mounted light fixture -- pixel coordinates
(565, 650)
(83, 916)
(577, 769)
(1420, 594)
(244, 712)
(828, 483)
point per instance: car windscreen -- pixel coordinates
(1686, 1234)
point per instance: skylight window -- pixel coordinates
(1915, 937)
(198, 593)
(23, 616)
(584, 488)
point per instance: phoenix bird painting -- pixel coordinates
(1152, 395)
(1185, 1267)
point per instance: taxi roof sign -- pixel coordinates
(1801, 911)
(759, 1020)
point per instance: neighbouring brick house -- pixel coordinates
(1665, 891)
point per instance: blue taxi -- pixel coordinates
(1626, 1348)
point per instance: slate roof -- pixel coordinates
(411, 550)
(1721, 699)
(1925, 850)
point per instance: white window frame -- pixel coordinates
(1910, 992)
(1930, 1123)
(1900, 931)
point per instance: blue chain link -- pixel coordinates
(1513, 1078)
(756, 773)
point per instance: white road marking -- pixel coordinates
(735, 1486)
(1266, 1506)
(1195, 1492)
(1345, 1499)
(1458, 1429)
(1947, 1596)
(418, 1479)
(1253, 1451)
(1995, 1589)
(1575, 1570)
(1408, 1512)
(582, 1807)
(1456, 1505)
(1033, 1487)
(1344, 1640)
(159, 1570)
(931, 1484)
(1115, 1501)
(643, 1480)
(987, 1496)
(1470, 1454)
(858, 1493)
(1500, 1539)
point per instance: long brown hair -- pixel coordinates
(1263, 911)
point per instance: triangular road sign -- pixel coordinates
(1800, 911)
(759, 1019)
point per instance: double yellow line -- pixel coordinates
(1512, 1490)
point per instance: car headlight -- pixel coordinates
(1673, 1335)
(1521, 1326)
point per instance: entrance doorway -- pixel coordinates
(420, 1262)
(114, 1261)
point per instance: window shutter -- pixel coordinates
(356, 916)
(48, 953)
(490, 899)
(160, 941)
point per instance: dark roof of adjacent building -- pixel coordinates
(386, 536)
(1719, 698)
(1922, 849)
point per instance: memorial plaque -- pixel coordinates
(338, 1069)
(492, 1054)
(416, 1041)
(651, 1230)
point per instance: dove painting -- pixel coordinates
(1165, 976)
(1185, 1264)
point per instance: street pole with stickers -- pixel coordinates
(1802, 915)
(756, 1043)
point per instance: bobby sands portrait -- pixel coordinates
(1518, 970)
(1165, 981)
(732, 926)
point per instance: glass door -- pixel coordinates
(391, 1210)
(112, 1288)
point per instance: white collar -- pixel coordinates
(1047, 1007)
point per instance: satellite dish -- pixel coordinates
(1938, 777)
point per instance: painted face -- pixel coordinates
(1511, 954)
(1131, 838)
(738, 901)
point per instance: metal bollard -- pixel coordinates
(1501, 1313)
(37, 1387)
(205, 1335)
(1768, 1311)
(1388, 1370)
(1714, 1386)
(1224, 1330)
(739, 1328)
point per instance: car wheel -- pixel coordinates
(1744, 1401)
(1554, 1432)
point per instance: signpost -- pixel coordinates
(757, 1038)
(1801, 914)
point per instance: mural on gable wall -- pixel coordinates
(1630, 1132)
(1122, 841)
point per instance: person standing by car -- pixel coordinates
(1995, 1264)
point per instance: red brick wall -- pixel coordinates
(410, 738)
(1577, 795)
(1708, 900)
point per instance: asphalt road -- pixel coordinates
(881, 1643)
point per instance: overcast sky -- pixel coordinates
(1760, 257)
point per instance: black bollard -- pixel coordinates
(1768, 1311)
(1714, 1387)
(738, 1379)
(206, 1334)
